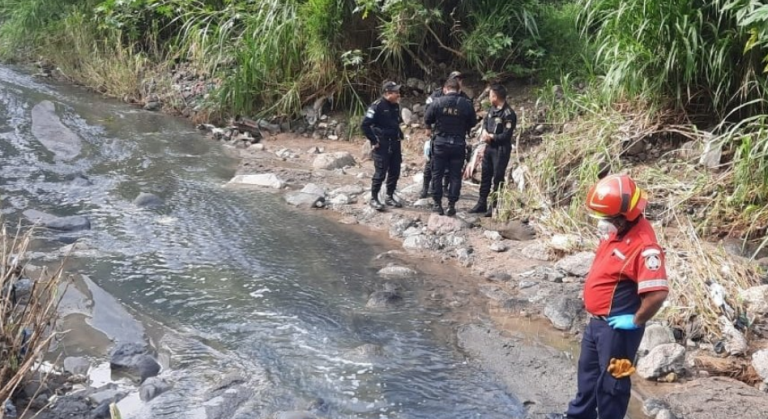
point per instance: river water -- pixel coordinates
(236, 281)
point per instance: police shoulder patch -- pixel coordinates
(370, 113)
(509, 125)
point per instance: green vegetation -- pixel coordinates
(611, 74)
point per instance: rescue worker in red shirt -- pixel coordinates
(626, 286)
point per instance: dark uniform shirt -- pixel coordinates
(439, 92)
(501, 123)
(452, 116)
(625, 267)
(382, 121)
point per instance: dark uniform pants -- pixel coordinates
(448, 155)
(428, 176)
(386, 161)
(495, 161)
(598, 390)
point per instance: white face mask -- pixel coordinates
(605, 229)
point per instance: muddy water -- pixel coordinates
(232, 281)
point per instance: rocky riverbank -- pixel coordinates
(517, 273)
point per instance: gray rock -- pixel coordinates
(297, 414)
(148, 200)
(443, 225)
(735, 342)
(756, 299)
(416, 84)
(498, 247)
(272, 128)
(9, 410)
(518, 231)
(526, 284)
(341, 199)
(304, 200)
(68, 223)
(655, 335)
(494, 292)
(153, 106)
(464, 256)
(77, 365)
(48, 128)
(536, 250)
(133, 359)
(384, 299)
(399, 227)
(108, 394)
(422, 203)
(417, 242)
(544, 273)
(651, 406)
(665, 414)
(331, 161)
(492, 235)
(577, 264)
(68, 407)
(394, 271)
(562, 311)
(407, 115)
(152, 388)
(351, 190)
(661, 360)
(257, 147)
(313, 189)
(760, 363)
(499, 277)
(267, 180)
(21, 290)
(418, 109)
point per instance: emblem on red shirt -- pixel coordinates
(653, 262)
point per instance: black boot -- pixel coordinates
(451, 209)
(375, 204)
(489, 210)
(438, 208)
(479, 208)
(390, 201)
(424, 193)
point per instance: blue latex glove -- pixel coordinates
(623, 322)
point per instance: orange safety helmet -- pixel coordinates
(616, 195)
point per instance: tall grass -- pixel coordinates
(707, 57)
(26, 321)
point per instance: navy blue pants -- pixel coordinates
(448, 158)
(598, 390)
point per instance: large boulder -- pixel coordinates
(655, 335)
(48, 128)
(562, 311)
(148, 200)
(331, 161)
(304, 200)
(384, 299)
(577, 264)
(518, 231)
(267, 180)
(133, 359)
(442, 225)
(661, 360)
(68, 223)
(760, 363)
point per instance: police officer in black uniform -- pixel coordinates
(381, 126)
(425, 191)
(499, 125)
(453, 117)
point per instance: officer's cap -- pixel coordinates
(455, 75)
(390, 86)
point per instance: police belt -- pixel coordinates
(450, 138)
(600, 318)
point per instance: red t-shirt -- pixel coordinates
(625, 267)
